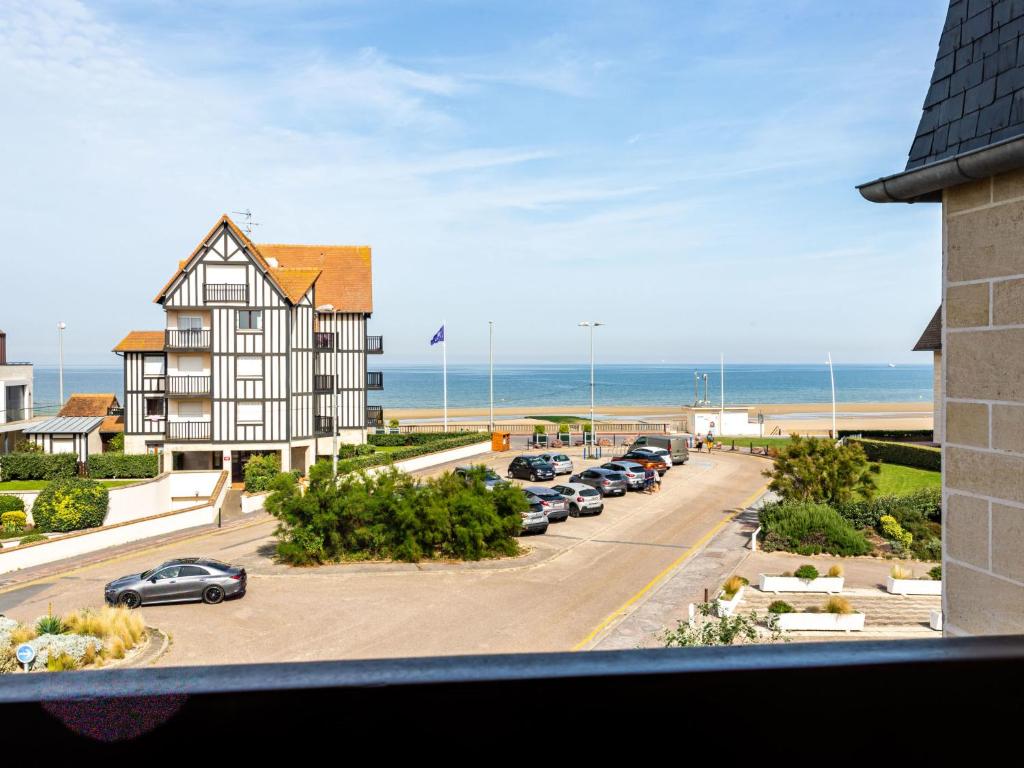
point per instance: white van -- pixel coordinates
(677, 445)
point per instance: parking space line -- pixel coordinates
(621, 610)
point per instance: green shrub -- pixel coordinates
(905, 454)
(70, 504)
(11, 504)
(260, 472)
(419, 438)
(349, 450)
(836, 604)
(921, 505)
(936, 573)
(807, 572)
(50, 625)
(12, 521)
(391, 515)
(780, 606)
(819, 470)
(32, 537)
(38, 466)
(920, 435)
(893, 531)
(122, 465)
(422, 448)
(809, 529)
(116, 443)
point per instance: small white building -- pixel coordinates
(731, 421)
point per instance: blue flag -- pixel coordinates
(439, 336)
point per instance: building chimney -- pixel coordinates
(3, 348)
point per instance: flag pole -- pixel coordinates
(832, 376)
(444, 358)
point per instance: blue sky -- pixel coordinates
(683, 172)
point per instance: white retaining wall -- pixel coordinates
(112, 535)
(442, 457)
(253, 502)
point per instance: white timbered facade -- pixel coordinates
(261, 343)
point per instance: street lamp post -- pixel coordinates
(490, 368)
(60, 352)
(591, 324)
(334, 387)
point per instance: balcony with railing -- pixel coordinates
(187, 338)
(374, 416)
(374, 380)
(188, 430)
(322, 425)
(323, 382)
(188, 386)
(323, 340)
(225, 292)
(374, 345)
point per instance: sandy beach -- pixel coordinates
(804, 418)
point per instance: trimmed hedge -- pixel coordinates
(11, 504)
(70, 504)
(260, 472)
(809, 529)
(922, 505)
(38, 466)
(904, 454)
(120, 465)
(418, 438)
(899, 435)
(381, 458)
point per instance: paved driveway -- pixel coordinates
(573, 580)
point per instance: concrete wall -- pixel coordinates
(443, 457)
(84, 542)
(983, 377)
(938, 399)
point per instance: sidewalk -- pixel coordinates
(668, 604)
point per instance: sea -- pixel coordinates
(522, 386)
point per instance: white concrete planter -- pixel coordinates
(935, 620)
(913, 586)
(727, 607)
(821, 622)
(828, 584)
(253, 502)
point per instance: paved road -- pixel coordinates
(558, 597)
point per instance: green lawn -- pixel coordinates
(758, 442)
(898, 481)
(38, 485)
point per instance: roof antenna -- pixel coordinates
(249, 223)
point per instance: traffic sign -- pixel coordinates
(26, 654)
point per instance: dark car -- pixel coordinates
(645, 460)
(553, 503)
(531, 468)
(178, 581)
(633, 471)
(606, 481)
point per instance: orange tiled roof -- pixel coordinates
(347, 279)
(142, 341)
(112, 424)
(295, 282)
(88, 404)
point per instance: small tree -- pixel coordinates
(116, 444)
(820, 470)
(260, 471)
(709, 629)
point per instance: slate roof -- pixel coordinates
(65, 425)
(931, 339)
(976, 96)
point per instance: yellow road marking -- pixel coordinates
(127, 556)
(621, 610)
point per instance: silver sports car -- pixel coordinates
(178, 581)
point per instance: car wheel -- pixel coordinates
(574, 511)
(542, 531)
(129, 600)
(213, 595)
(533, 477)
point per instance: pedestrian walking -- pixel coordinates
(700, 444)
(711, 440)
(649, 475)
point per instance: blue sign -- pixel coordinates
(26, 653)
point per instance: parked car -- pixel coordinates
(633, 471)
(677, 445)
(561, 462)
(645, 460)
(534, 519)
(582, 498)
(532, 468)
(553, 504)
(604, 480)
(490, 477)
(662, 453)
(178, 581)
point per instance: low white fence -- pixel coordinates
(115, 534)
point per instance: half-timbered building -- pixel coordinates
(264, 350)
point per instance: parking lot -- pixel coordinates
(568, 584)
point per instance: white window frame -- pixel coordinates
(183, 326)
(238, 367)
(163, 408)
(250, 404)
(253, 312)
(145, 363)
